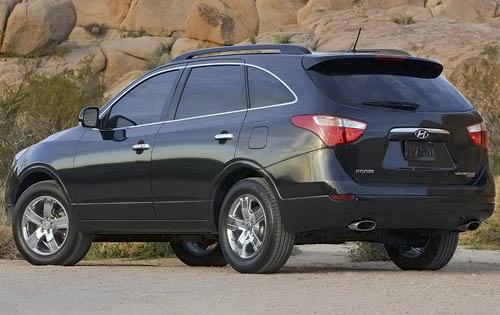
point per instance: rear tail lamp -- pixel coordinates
(331, 130)
(479, 135)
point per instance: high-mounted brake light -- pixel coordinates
(331, 130)
(479, 135)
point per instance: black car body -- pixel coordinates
(355, 146)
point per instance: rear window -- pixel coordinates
(354, 88)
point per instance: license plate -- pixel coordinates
(419, 151)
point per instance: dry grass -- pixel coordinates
(488, 235)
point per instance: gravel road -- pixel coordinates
(320, 280)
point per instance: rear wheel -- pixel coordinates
(432, 253)
(199, 253)
(44, 227)
(251, 232)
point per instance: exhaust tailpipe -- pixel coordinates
(472, 225)
(362, 225)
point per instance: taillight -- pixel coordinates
(331, 130)
(479, 135)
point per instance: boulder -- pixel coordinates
(128, 54)
(157, 17)
(108, 13)
(464, 10)
(225, 22)
(319, 6)
(183, 45)
(387, 4)
(289, 35)
(418, 14)
(83, 34)
(274, 14)
(122, 83)
(6, 7)
(36, 27)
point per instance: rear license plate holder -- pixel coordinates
(419, 151)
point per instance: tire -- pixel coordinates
(199, 254)
(433, 255)
(265, 243)
(51, 243)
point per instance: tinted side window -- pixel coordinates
(211, 90)
(144, 103)
(266, 90)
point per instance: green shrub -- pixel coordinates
(404, 20)
(129, 250)
(282, 38)
(363, 251)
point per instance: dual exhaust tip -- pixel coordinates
(366, 225)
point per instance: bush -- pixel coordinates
(129, 250)
(488, 235)
(479, 80)
(364, 251)
(404, 20)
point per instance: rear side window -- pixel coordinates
(266, 90)
(212, 90)
(145, 103)
(353, 87)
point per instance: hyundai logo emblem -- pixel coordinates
(421, 134)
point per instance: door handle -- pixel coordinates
(224, 136)
(141, 147)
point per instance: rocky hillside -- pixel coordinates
(127, 37)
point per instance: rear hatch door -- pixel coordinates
(416, 120)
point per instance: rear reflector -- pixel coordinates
(343, 197)
(331, 130)
(479, 135)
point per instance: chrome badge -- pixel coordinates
(422, 134)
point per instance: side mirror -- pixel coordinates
(89, 117)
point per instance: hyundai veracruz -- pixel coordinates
(235, 154)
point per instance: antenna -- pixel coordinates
(356, 42)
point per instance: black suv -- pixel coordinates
(235, 154)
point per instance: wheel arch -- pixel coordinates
(231, 174)
(35, 174)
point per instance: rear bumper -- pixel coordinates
(389, 212)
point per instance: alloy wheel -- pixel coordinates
(45, 225)
(246, 226)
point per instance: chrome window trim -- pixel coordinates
(126, 90)
(413, 129)
(123, 92)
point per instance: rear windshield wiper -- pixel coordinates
(394, 104)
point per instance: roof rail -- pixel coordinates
(233, 50)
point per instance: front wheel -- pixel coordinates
(208, 254)
(252, 235)
(44, 227)
(433, 252)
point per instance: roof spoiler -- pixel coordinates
(369, 63)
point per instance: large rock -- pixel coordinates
(464, 10)
(6, 7)
(128, 54)
(122, 83)
(157, 17)
(417, 14)
(274, 14)
(109, 13)
(320, 6)
(183, 45)
(37, 26)
(387, 4)
(223, 21)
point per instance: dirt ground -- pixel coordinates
(319, 280)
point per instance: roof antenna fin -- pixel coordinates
(356, 42)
